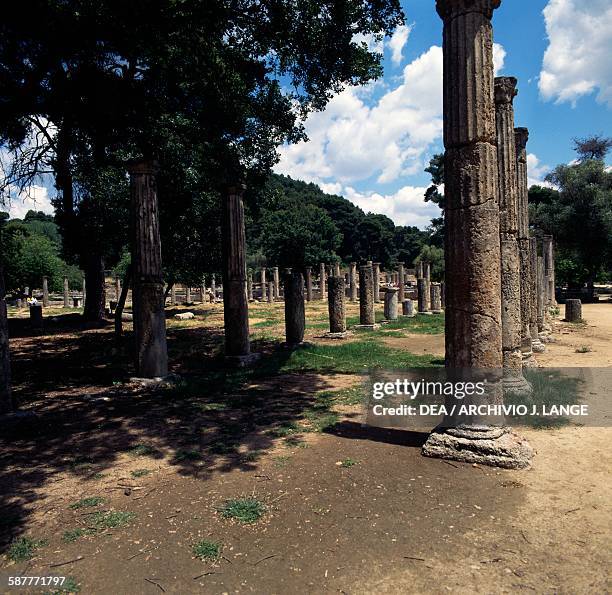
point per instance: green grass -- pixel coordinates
(23, 549)
(110, 520)
(267, 323)
(354, 395)
(251, 456)
(244, 510)
(187, 455)
(140, 473)
(142, 450)
(206, 550)
(70, 586)
(348, 463)
(584, 349)
(87, 502)
(73, 535)
(320, 418)
(283, 430)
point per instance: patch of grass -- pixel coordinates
(187, 455)
(140, 473)
(206, 550)
(320, 419)
(98, 476)
(81, 465)
(244, 510)
(584, 349)
(348, 463)
(285, 429)
(282, 460)
(251, 456)
(222, 448)
(294, 442)
(72, 535)
(23, 549)
(266, 323)
(87, 502)
(142, 450)
(70, 586)
(111, 520)
(353, 395)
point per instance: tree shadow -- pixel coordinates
(351, 430)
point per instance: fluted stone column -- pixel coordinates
(521, 136)
(549, 272)
(419, 270)
(514, 382)
(264, 287)
(235, 303)
(250, 286)
(336, 307)
(353, 280)
(400, 282)
(147, 285)
(427, 277)
(376, 270)
(322, 276)
(367, 319)
(270, 292)
(391, 300)
(536, 343)
(276, 277)
(472, 248)
(66, 293)
(295, 316)
(541, 299)
(337, 269)
(45, 289)
(436, 298)
(308, 284)
(422, 297)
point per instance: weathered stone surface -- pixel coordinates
(322, 277)
(45, 288)
(541, 294)
(401, 282)
(391, 301)
(264, 287)
(336, 306)
(573, 310)
(308, 284)
(235, 303)
(173, 295)
(188, 294)
(295, 317)
(422, 295)
(276, 277)
(250, 287)
(536, 344)
(185, 316)
(408, 308)
(148, 286)
(366, 295)
(376, 281)
(270, 292)
(353, 281)
(549, 271)
(436, 298)
(66, 293)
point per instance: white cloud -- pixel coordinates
(36, 199)
(499, 57)
(536, 172)
(577, 61)
(398, 41)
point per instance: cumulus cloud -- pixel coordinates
(36, 199)
(398, 41)
(536, 171)
(577, 61)
(499, 57)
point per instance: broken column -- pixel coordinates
(513, 379)
(408, 308)
(276, 277)
(250, 287)
(376, 269)
(270, 292)
(436, 298)
(427, 277)
(473, 299)
(336, 307)
(235, 303)
(66, 293)
(322, 276)
(422, 297)
(188, 294)
(148, 285)
(45, 289)
(264, 287)
(400, 282)
(353, 280)
(213, 287)
(391, 300)
(367, 319)
(173, 295)
(295, 317)
(308, 284)
(521, 136)
(573, 310)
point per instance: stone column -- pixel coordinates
(308, 284)
(536, 343)
(295, 317)
(353, 280)
(117, 289)
(250, 287)
(84, 291)
(400, 282)
(45, 288)
(573, 310)
(473, 295)
(235, 303)
(436, 298)
(549, 259)
(336, 307)
(147, 285)
(187, 294)
(422, 297)
(173, 295)
(7, 403)
(203, 291)
(427, 277)
(541, 297)
(513, 380)
(408, 308)
(521, 136)
(264, 287)
(213, 287)
(322, 280)
(337, 269)
(367, 320)
(276, 278)
(391, 300)
(66, 293)
(419, 270)
(270, 292)
(376, 269)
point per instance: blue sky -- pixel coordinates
(372, 144)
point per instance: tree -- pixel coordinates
(433, 194)
(408, 243)
(434, 256)
(592, 147)
(299, 236)
(579, 216)
(375, 239)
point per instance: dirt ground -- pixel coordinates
(350, 509)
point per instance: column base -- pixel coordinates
(428, 313)
(546, 338)
(437, 311)
(407, 315)
(493, 446)
(367, 327)
(157, 381)
(242, 361)
(330, 335)
(516, 385)
(529, 360)
(537, 346)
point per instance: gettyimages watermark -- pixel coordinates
(423, 398)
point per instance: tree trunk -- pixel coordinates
(6, 399)
(95, 299)
(121, 303)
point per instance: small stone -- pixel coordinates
(185, 316)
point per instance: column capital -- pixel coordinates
(449, 9)
(142, 167)
(505, 89)
(521, 136)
